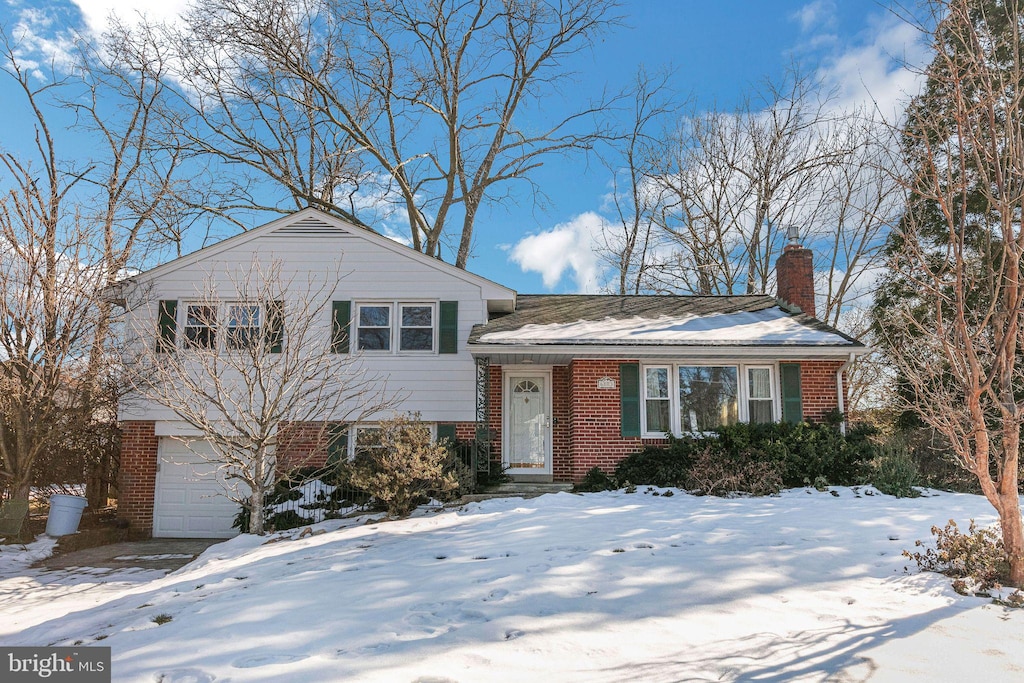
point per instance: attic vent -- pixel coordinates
(310, 226)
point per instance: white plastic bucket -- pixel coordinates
(65, 514)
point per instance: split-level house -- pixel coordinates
(548, 386)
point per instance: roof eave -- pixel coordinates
(801, 351)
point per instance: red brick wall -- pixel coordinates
(561, 424)
(818, 388)
(597, 439)
(595, 414)
(137, 480)
(302, 444)
(495, 391)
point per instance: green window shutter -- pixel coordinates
(449, 329)
(341, 319)
(337, 443)
(446, 431)
(792, 407)
(168, 325)
(275, 326)
(629, 393)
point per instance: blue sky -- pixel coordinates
(720, 51)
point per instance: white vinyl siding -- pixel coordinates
(345, 267)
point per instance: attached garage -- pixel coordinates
(190, 500)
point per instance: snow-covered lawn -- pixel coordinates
(598, 587)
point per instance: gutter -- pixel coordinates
(803, 352)
(840, 394)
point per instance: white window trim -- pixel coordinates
(395, 325)
(742, 392)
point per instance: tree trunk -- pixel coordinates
(256, 520)
(1013, 536)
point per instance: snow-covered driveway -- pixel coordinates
(599, 587)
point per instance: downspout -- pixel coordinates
(840, 394)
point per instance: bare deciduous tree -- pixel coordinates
(636, 195)
(956, 336)
(729, 182)
(433, 106)
(68, 229)
(255, 363)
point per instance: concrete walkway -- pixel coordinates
(157, 553)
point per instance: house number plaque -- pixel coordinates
(606, 383)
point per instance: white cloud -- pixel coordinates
(815, 15)
(97, 12)
(45, 35)
(566, 247)
(876, 72)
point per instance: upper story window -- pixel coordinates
(417, 327)
(374, 327)
(231, 326)
(398, 326)
(681, 398)
(244, 325)
(200, 326)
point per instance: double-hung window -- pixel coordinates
(416, 332)
(760, 402)
(231, 326)
(402, 327)
(374, 327)
(200, 326)
(244, 325)
(658, 406)
(688, 398)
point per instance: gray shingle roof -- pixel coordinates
(679, 311)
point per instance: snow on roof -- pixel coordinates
(769, 326)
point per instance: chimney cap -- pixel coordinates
(793, 234)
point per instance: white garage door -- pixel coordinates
(190, 500)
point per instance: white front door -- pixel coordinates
(528, 424)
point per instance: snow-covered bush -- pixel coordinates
(307, 496)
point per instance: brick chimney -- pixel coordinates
(794, 272)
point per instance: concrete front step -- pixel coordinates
(517, 489)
